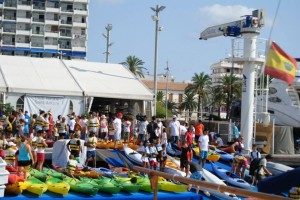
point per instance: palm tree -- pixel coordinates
(189, 103)
(135, 65)
(231, 86)
(217, 98)
(200, 83)
(160, 95)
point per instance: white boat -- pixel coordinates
(277, 168)
(282, 103)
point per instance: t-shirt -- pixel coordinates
(263, 162)
(189, 138)
(117, 125)
(254, 154)
(127, 125)
(204, 140)
(219, 141)
(174, 128)
(143, 127)
(199, 128)
(183, 130)
(72, 124)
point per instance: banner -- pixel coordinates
(57, 105)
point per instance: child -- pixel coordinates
(10, 152)
(33, 143)
(185, 158)
(41, 145)
(196, 174)
(72, 165)
(219, 141)
(153, 155)
(162, 157)
(254, 153)
(164, 138)
(141, 148)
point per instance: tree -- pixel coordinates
(135, 65)
(199, 86)
(160, 96)
(217, 98)
(231, 86)
(189, 103)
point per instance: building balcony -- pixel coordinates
(79, 24)
(12, 5)
(37, 20)
(66, 35)
(51, 34)
(64, 46)
(9, 30)
(7, 17)
(65, 22)
(39, 8)
(24, 7)
(66, 10)
(81, 49)
(24, 45)
(8, 43)
(37, 44)
(81, 1)
(23, 20)
(52, 10)
(51, 22)
(80, 12)
(51, 46)
(23, 32)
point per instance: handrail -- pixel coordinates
(220, 188)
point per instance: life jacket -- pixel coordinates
(34, 143)
(71, 167)
(2, 119)
(77, 127)
(92, 140)
(11, 157)
(61, 126)
(39, 123)
(40, 144)
(93, 123)
(73, 145)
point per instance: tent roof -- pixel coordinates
(51, 76)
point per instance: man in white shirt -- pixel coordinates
(174, 129)
(203, 144)
(117, 123)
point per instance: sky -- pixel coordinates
(133, 31)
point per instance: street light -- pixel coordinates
(108, 28)
(157, 28)
(167, 77)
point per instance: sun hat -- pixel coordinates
(103, 116)
(174, 116)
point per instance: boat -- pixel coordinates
(172, 149)
(211, 155)
(229, 177)
(36, 186)
(228, 149)
(282, 101)
(224, 156)
(11, 168)
(53, 173)
(277, 168)
(37, 174)
(58, 186)
(14, 178)
(144, 182)
(170, 186)
(104, 184)
(128, 184)
(81, 187)
(86, 173)
(16, 188)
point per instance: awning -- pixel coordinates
(22, 49)
(8, 48)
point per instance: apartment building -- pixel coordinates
(44, 28)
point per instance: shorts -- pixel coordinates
(91, 154)
(40, 157)
(183, 163)
(126, 135)
(102, 135)
(117, 136)
(141, 137)
(203, 154)
(153, 163)
(111, 137)
(197, 175)
(24, 163)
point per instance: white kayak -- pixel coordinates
(277, 168)
(230, 178)
(136, 159)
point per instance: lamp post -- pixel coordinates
(167, 77)
(157, 28)
(108, 28)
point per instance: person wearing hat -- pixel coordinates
(74, 146)
(103, 128)
(174, 127)
(25, 158)
(93, 125)
(91, 149)
(41, 145)
(10, 154)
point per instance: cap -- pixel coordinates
(174, 116)
(11, 144)
(103, 116)
(119, 115)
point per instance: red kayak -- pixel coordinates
(14, 178)
(11, 169)
(228, 149)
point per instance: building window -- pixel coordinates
(20, 103)
(180, 98)
(171, 97)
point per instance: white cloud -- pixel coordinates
(219, 14)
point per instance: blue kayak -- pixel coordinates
(230, 178)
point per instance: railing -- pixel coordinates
(153, 175)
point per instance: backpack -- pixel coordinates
(254, 166)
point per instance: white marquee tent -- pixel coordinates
(52, 83)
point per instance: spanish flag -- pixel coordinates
(280, 65)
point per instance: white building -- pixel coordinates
(225, 67)
(44, 28)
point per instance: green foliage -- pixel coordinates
(161, 110)
(135, 65)
(8, 108)
(160, 96)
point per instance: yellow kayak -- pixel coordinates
(57, 186)
(16, 188)
(171, 187)
(36, 186)
(211, 156)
